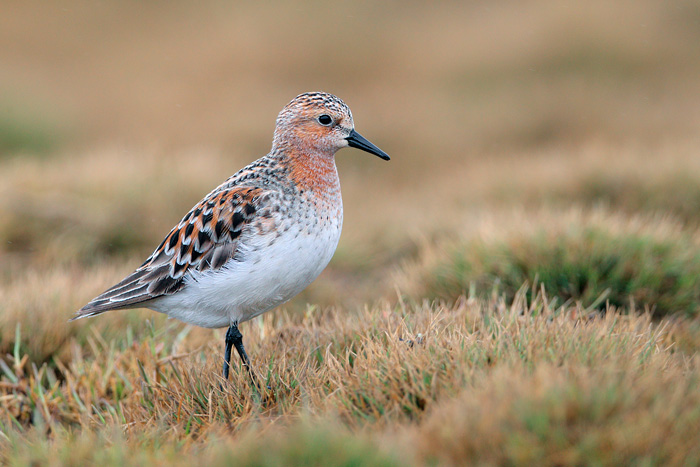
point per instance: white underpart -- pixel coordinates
(269, 275)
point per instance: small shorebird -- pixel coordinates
(259, 238)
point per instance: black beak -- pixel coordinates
(356, 140)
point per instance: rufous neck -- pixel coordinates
(311, 170)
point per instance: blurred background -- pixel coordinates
(117, 116)
(545, 171)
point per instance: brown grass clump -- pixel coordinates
(35, 305)
(590, 257)
(530, 371)
(568, 415)
(662, 178)
(98, 204)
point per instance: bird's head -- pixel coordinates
(321, 123)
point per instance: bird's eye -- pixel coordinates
(325, 120)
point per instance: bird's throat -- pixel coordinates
(314, 172)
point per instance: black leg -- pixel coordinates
(235, 338)
(227, 352)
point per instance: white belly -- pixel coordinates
(273, 270)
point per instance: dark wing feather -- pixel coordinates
(206, 238)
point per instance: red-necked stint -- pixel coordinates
(259, 238)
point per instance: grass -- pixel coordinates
(569, 417)
(522, 381)
(26, 135)
(677, 194)
(588, 260)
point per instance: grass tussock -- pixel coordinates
(101, 204)
(545, 372)
(309, 442)
(595, 259)
(660, 179)
(36, 304)
(568, 415)
(675, 194)
(629, 179)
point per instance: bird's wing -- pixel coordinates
(206, 238)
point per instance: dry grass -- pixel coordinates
(493, 381)
(518, 286)
(576, 255)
